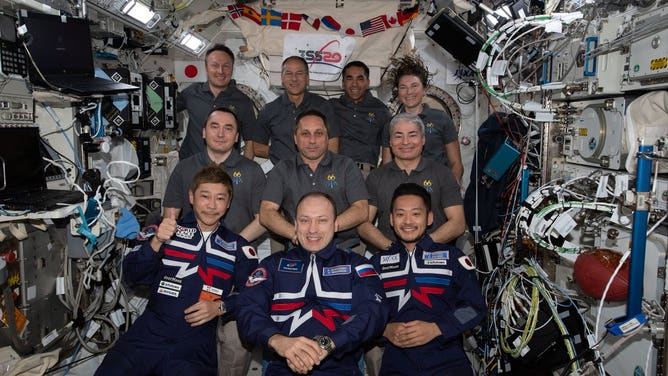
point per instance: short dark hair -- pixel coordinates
(294, 58)
(221, 48)
(212, 174)
(226, 110)
(311, 112)
(317, 194)
(411, 189)
(355, 63)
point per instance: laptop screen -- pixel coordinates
(59, 45)
(21, 162)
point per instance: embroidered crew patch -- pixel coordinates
(290, 266)
(257, 276)
(336, 270)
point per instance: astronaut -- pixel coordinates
(313, 306)
(432, 293)
(195, 267)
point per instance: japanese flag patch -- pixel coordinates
(249, 252)
(466, 263)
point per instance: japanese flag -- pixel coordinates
(189, 71)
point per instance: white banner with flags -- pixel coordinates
(325, 54)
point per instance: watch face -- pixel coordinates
(324, 342)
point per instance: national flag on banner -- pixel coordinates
(314, 22)
(189, 71)
(291, 21)
(251, 14)
(271, 17)
(373, 26)
(330, 23)
(234, 11)
(392, 19)
(407, 14)
(351, 30)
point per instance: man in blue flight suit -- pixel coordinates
(431, 290)
(313, 306)
(195, 267)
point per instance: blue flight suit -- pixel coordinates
(160, 341)
(436, 283)
(299, 293)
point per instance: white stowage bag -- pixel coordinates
(11, 364)
(646, 118)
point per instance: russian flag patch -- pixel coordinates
(365, 270)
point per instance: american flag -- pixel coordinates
(235, 12)
(374, 25)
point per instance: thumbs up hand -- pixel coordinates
(167, 227)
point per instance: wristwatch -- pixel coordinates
(324, 342)
(222, 307)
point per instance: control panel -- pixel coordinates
(12, 59)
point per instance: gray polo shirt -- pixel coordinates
(361, 127)
(439, 130)
(248, 182)
(433, 176)
(199, 101)
(336, 175)
(277, 119)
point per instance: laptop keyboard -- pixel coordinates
(43, 200)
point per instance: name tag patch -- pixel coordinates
(210, 293)
(336, 270)
(231, 246)
(389, 259)
(290, 266)
(438, 255)
(436, 262)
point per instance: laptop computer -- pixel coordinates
(61, 48)
(22, 175)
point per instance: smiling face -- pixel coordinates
(315, 223)
(355, 83)
(219, 68)
(220, 132)
(410, 218)
(410, 91)
(210, 201)
(294, 77)
(406, 141)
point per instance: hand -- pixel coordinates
(167, 227)
(412, 333)
(202, 312)
(301, 353)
